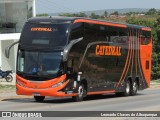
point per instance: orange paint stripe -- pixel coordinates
(126, 64)
(139, 55)
(72, 94)
(101, 92)
(130, 57)
(136, 51)
(146, 29)
(100, 23)
(132, 53)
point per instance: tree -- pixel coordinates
(105, 14)
(94, 16)
(152, 11)
(81, 14)
(115, 13)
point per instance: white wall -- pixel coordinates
(6, 40)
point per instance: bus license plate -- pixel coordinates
(36, 94)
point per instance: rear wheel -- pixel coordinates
(127, 90)
(9, 78)
(81, 93)
(39, 98)
(134, 88)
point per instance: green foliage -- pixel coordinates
(115, 13)
(43, 14)
(152, 11)
(105, 14)
(81, 14)
(7, 87)
(94, 16)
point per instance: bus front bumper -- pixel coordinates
(42, 92)
(53, 87)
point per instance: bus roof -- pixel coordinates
(59, 19)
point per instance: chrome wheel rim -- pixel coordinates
(80, 91)
(134, 86)
(127, 88)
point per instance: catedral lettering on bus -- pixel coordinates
(108, 50)
(41, 29)
(78, 57)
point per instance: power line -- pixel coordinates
(49, 8)
(71, 9)
(49, 5)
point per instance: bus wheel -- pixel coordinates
(39, 98)
(127, 88)
(134, 88)
(81, 93)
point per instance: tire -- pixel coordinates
(9, 78)
(39, 98)
(127, 90)
(134, 88)
(81, 93)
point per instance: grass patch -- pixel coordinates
(155, 81)
(7, 87)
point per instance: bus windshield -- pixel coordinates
(42, 64)
(48, 35)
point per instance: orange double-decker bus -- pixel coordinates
(60, 56)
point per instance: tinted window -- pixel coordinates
(39, 64)
(76, 31)
(145, 38)
(48, 35)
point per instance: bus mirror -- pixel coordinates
(7, 50)
(69, 46)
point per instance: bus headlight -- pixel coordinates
(19, 83)
(58, 84)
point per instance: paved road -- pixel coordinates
(144, 100)
(147, 100)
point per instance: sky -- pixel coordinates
(66, 6)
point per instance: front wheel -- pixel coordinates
(39, 98)
(81, 93)
(9, 78)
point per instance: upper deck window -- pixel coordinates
(145, 38)
(48, 35)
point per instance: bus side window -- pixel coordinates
(145, 38)
(76, 31)
(145, 41)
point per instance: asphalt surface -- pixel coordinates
(146, 100)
